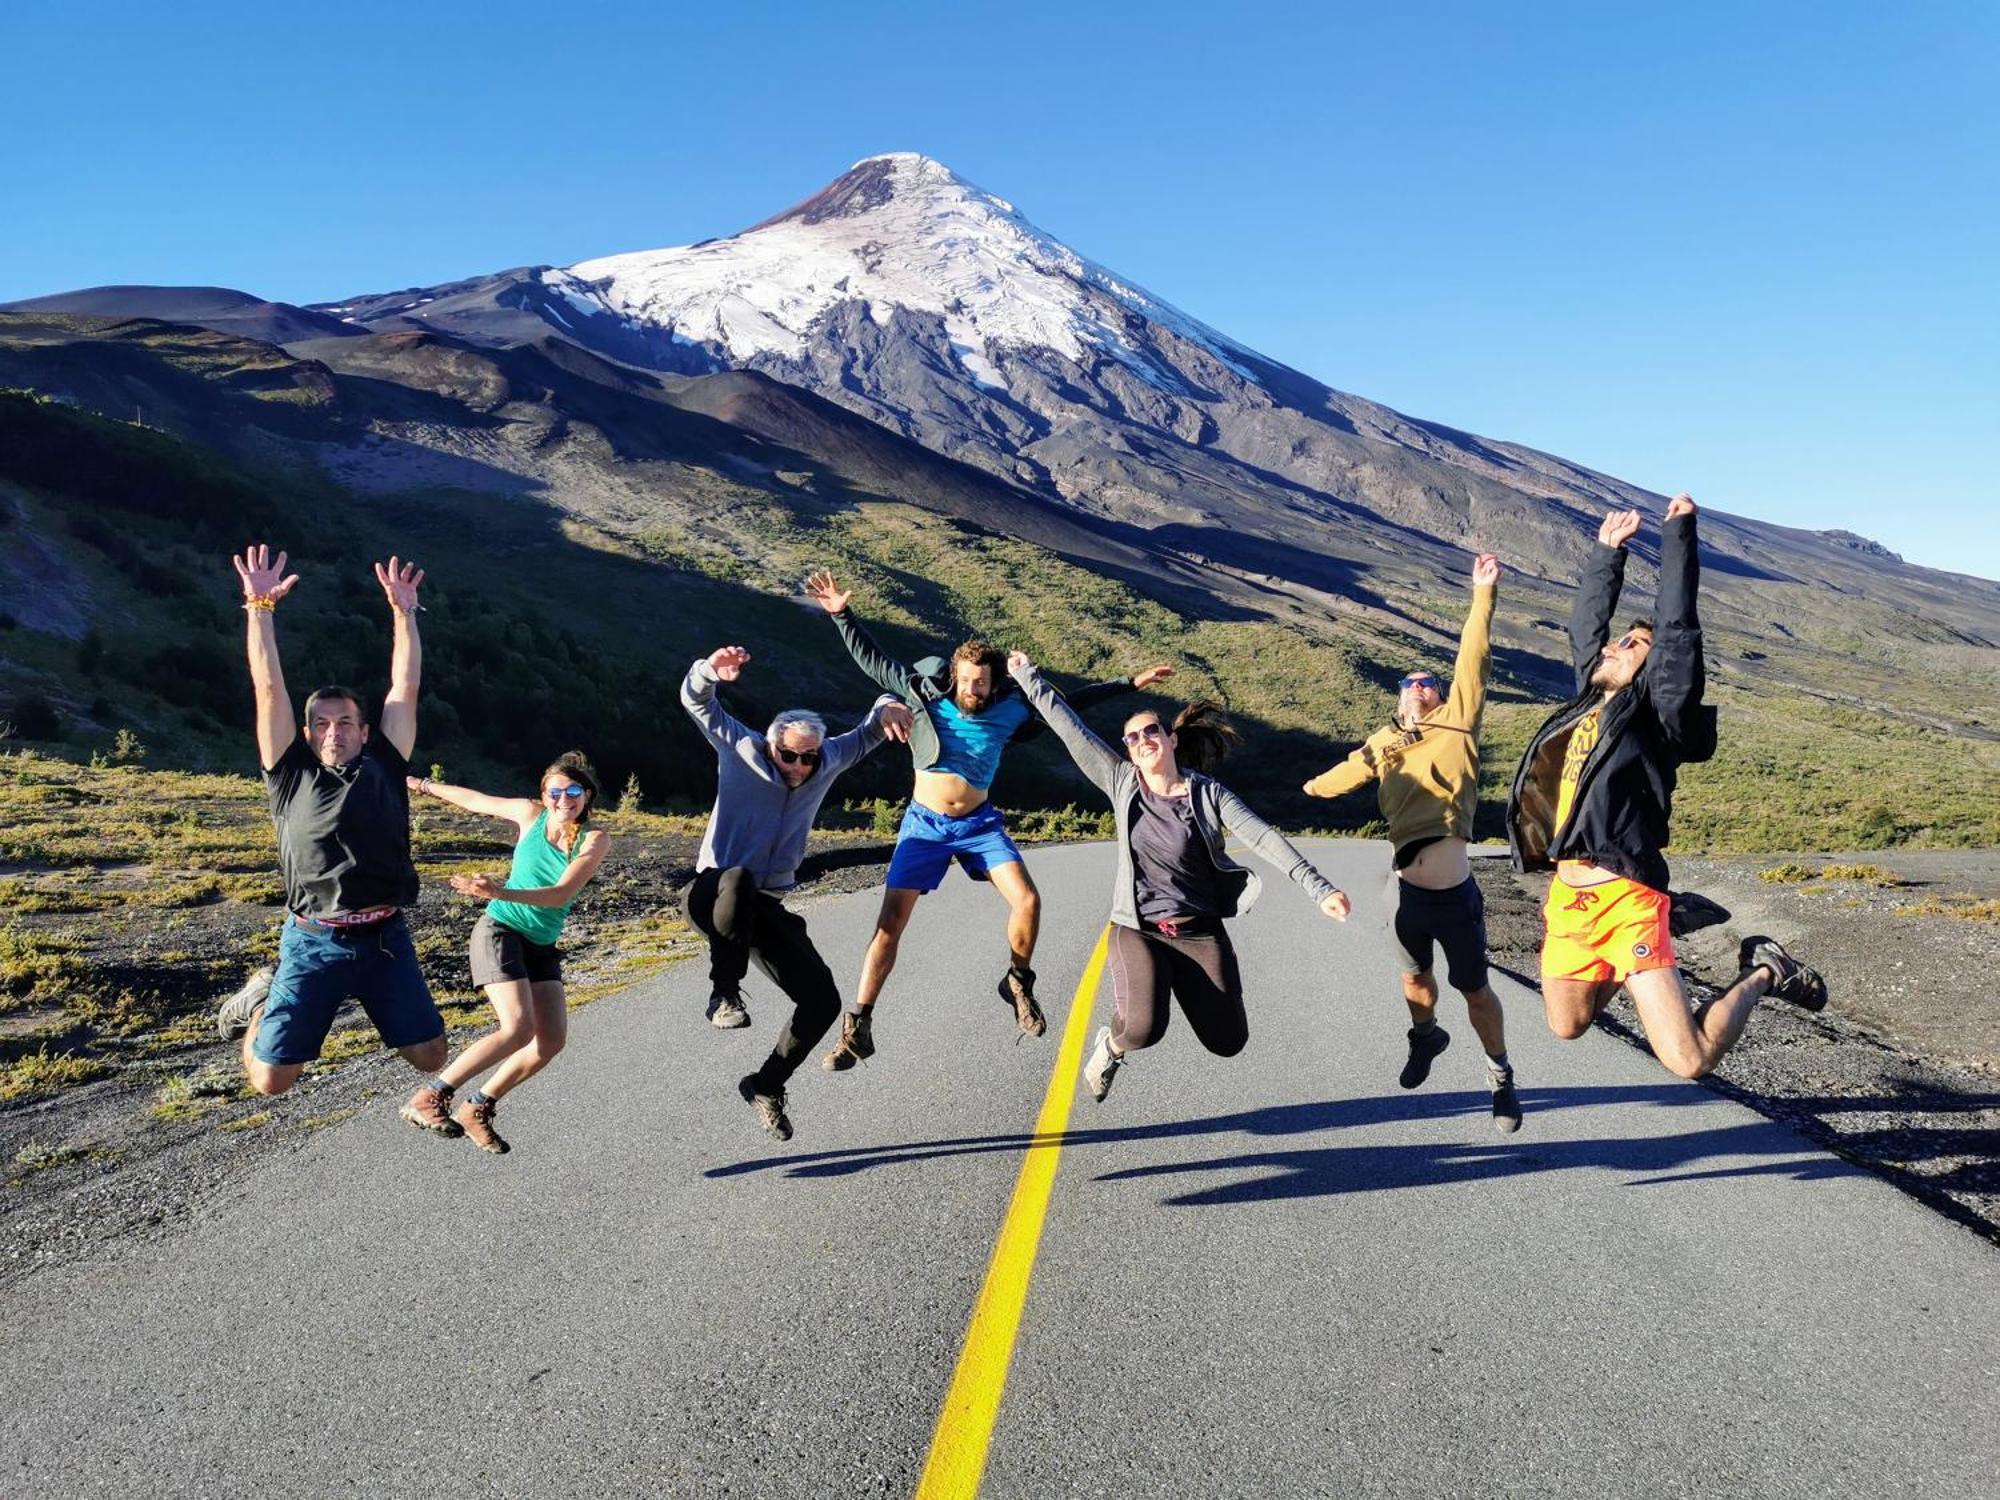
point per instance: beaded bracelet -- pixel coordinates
(266, 602)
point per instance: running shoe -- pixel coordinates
(1423, 1047)
(1506, 1106)
(727, 1012)
(475, 1118)
(1017, 990)
(770, 1108)
(1790, 979)
(430, 1109)
(233, 1016)
(1689, 911)
(856, 1043)
(1102, 1067)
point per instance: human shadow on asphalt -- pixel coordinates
(1326, 1170)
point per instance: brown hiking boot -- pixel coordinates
(770, 1107)
(430, 1109)
(856, 1044)
(477, 1121)
(1017, 988)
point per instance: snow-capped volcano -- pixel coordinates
(895, 232)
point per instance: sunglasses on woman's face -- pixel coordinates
(1144, 732)
(797, 757)
(1420, 680)
(563, 793)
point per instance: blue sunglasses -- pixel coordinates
(1421, 679)
(566, 793)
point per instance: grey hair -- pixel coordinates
(796, 718)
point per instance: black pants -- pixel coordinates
(1197, 969)
(743, 923)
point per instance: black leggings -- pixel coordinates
(1198, 970)
(743, 923)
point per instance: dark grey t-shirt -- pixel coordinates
(343, 835)
(1171, 866)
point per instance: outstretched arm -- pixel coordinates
(1597, 593)
(520, 811)
(1674, 671)
(1360, 768)
(888, 719)
(1280, 853)
(1475, 644)
(575, 878)
(881, 667)
(1100, 692)
(264, 583)
(400, 582)
(1093, 757)
(722, 728)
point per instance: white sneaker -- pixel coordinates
(1102, 1067)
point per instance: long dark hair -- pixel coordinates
(577, 767)
(1203, 735)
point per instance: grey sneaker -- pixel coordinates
(1102, 1067)
(1790, 979)
(1506, 1106)
(1422, 1049)
(233, 1016)
(856, 1044)
(770, 1108)
(727, 1012)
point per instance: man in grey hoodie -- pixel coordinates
(769, 788)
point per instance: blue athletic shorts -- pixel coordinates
(318, 969)
(928, 842)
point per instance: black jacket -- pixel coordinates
(1625, 791)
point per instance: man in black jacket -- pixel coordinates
(1593, 796)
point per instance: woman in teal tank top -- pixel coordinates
(515, 959)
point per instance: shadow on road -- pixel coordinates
(1327, 1170)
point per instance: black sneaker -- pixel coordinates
(770, 1108)
(1017, 992)
(1506, 1106)
(1790, 979)
(233, 1016)
(1423, 1047)
(856, 1044)
(727, 1012)
(1689, 911)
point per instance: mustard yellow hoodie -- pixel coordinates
(1430, 774)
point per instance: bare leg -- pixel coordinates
(1483, 1006)
(897, 906)
(549, 1014)
(1420, 993)
(510, 1001)
(1690, 1042)
(266, 1078)
(1572, 1004)
(1024, 910)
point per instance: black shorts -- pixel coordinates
(501, 955)
(1454, 920)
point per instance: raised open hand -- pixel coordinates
(1337, 906)
(1019, 661)
(728, 662)
(827, 594)
(1486, 570)
(263, 578)
(481, 887)
(897, 722)
(1618, 528)
(1681, 505)
(400, 582)
(1150, 676)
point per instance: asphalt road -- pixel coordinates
(1275, 1274)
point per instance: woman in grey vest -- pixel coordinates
(1175, 885)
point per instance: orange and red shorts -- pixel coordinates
(1607, 931)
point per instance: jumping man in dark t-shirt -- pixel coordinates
(342, 811)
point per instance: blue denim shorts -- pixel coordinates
(929, 841)
(318, 969)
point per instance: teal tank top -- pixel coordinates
(537, 863)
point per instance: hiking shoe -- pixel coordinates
(476, 1120)
(1102, 1067)
(234, 1015)
(1506, 1106)
(856, 1044)
(727, 1011)
(1423, 1047)
(430, 1109)
(1017, 989)
(770, 1108)
(1688, 911)
(1790, 979)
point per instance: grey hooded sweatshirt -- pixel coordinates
(759, 822)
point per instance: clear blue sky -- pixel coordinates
(1752, 251)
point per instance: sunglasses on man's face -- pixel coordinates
(1144, 732)
(797, 757)
(1628, 640)
(563, 793)
(1420, 680)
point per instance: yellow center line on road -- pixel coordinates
(957, 1459)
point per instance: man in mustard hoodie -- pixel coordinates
(1427, 767)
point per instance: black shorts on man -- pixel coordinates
(1454, 920)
